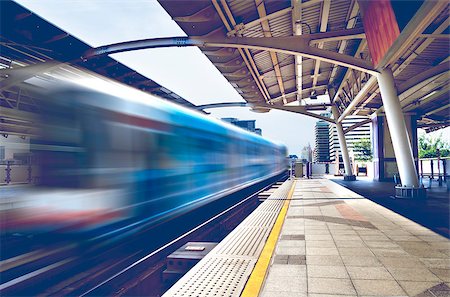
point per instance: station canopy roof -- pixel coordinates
(27, 39)
(267, 76)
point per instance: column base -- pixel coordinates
(350, 177)
(403, 192)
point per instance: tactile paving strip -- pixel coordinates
(225, 270)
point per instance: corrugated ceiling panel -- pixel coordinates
(274, 91)
(263, 61)
(436, 51)
(243, 11)
(255, 31)
(310, 18)
(338, 14)
(285, 59)
(290, 85)
(288, 72)
(281, 26)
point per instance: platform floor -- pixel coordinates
(334, 242)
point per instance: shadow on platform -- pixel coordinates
(432, 212)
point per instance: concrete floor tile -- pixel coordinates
(381, 244)
(324, 260)
(291, 243)
(356, 272)
(389, 252)
(280, 270)
(327, 271)
(370, 233)
(320, 243)
(415, 288)
(266, 293)
(335, 227)
(317, 232)
(359, 251)
(443, 274)
(349, 243)
(368, 238)
(440, 245)
(285, 284)
(316, 227)
(361, 261)
(412, 274)
(330, 286)
(330, 295)
(433, 238)
(426, 253)
(318, 237)
(292, 232)
(399, 232)
(405, 238)
(282, 250)
(294, 228)
(326, 251)
(436, 263)
(346, 237)
(344, 232)
(414, 244)
(378, 288)
(400, 262)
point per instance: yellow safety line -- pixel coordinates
(256, 279)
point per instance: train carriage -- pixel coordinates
(112, 156)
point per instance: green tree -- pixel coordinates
(428, 147)
(363, 150)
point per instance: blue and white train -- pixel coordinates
(111, 155)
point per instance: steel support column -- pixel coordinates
(343, 144)
(397, 128)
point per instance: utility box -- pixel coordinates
(298, 169)
(184, 258)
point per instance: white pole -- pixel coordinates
(342, 143)
(397, 128)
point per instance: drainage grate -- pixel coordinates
(214, 277)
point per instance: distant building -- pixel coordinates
(351, 137)
(306, 154)
(322, 141)
(244, 124)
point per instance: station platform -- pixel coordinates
(314, 237)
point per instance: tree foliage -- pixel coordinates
(363, 150)
(429, 146)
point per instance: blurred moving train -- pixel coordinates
(110, 155)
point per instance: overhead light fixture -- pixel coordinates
(313, 95)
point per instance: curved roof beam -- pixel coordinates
(222, 104)
(294, 45)
(296, 109)
(266, 107)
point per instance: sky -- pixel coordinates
(185, 71)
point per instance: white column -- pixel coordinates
(342, 142)
(397, 128)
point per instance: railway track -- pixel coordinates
(129, 266)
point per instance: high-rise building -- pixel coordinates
(351, 137)
(322, 142)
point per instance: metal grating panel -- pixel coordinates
(225, 270)
(263, 219)
(246, 242)
(214, 277)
